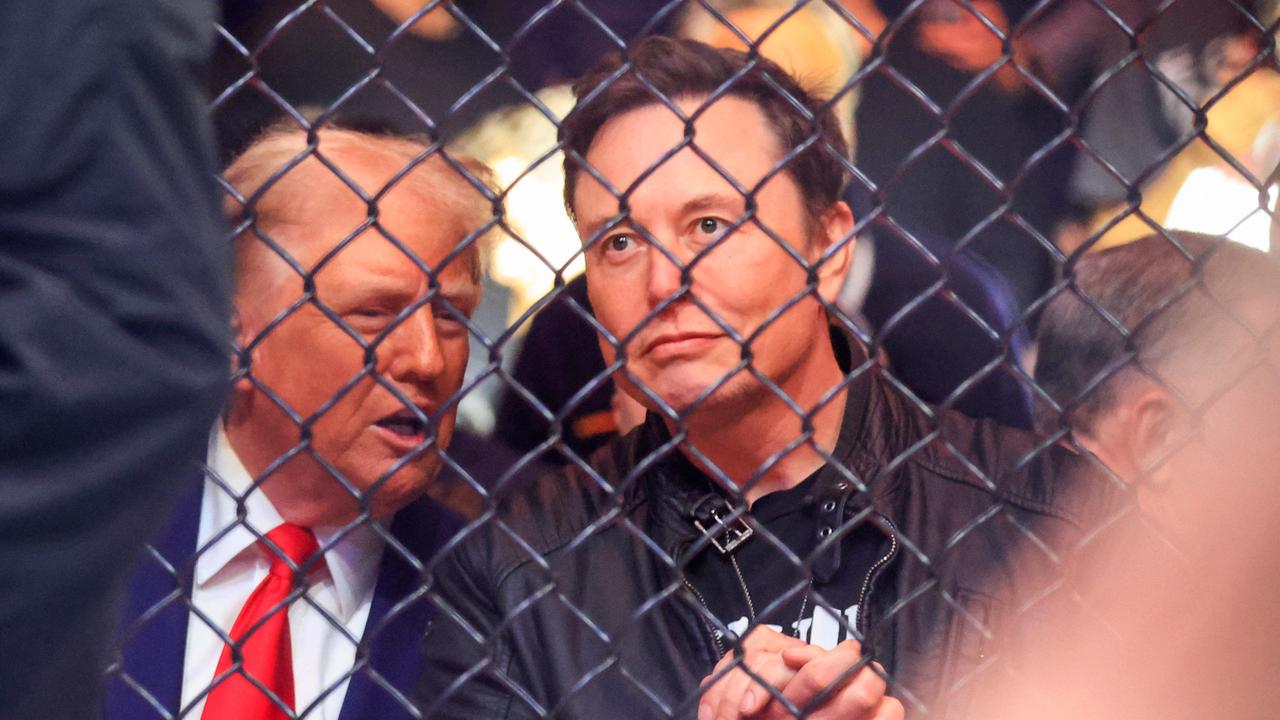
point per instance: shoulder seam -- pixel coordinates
(552, 546)
(1000, 492)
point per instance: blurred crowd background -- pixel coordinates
(998, 146)
(992, 141)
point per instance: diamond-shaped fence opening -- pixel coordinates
(734, 358)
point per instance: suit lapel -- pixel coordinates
(154, 628)
(153, 631)
(398, 616)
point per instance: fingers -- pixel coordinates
(727, 689)
(737, 694)
(765, 639)
(796, 658)
(842, 676)
(836, 684)
(754, 696)
(888, 709)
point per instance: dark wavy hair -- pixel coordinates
(659, 69)
(1180, 306)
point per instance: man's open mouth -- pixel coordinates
(405, 423)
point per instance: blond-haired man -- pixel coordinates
(357, 266)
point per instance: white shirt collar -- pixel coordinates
(352, 561)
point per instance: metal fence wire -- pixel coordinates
(895, 315)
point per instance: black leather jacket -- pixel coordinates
(568, 601)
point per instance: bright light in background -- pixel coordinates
(511, 141)
(1218, 202)
(535, 211)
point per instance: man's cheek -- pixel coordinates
(607, 351)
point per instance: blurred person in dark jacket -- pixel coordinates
(958, 162)
(114, 284)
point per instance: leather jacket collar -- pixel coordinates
(854, 485)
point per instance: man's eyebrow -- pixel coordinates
(698, 203)
(708, 201)
(458, 291)
(593, 225)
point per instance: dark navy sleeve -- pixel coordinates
(114, 275)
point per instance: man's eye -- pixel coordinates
(619, 243)
(445, 314)
(709, 230)
(368, 320)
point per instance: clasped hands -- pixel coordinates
(842, 683)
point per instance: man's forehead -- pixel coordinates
(730, 132)
(324, 206)
(354, 180)
(326, 228)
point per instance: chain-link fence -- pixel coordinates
(760, 359)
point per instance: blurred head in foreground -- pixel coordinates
(357, 266)
(1173, 611)
(1165, 357)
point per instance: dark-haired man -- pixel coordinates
(781, 491)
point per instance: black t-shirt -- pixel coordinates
(819, 606)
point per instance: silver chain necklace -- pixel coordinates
(751, 607)
(727, 537)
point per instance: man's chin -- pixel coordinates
(401, 489)
(691, 398)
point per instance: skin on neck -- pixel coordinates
(741, 443)
(287, 487)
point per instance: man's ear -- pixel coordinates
(242, 338)
(835, 243)
(1156, 429)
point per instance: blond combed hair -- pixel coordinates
(451, 183)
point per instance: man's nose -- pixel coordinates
(412, 351)
(665, 275)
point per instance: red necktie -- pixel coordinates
(261, 632)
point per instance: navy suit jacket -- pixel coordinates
(146, 680)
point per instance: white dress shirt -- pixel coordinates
(231, 565)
